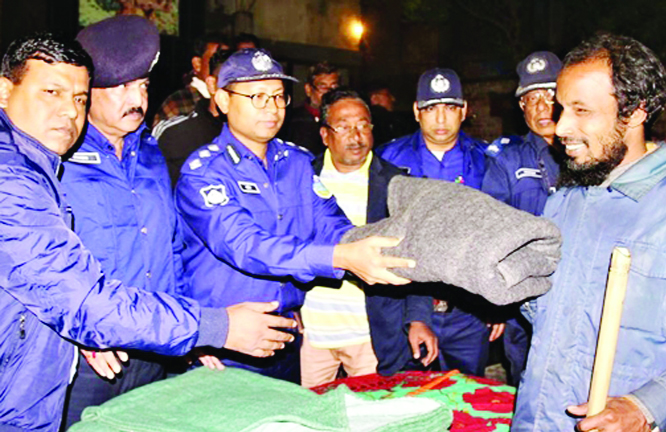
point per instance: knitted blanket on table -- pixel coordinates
(237, 400)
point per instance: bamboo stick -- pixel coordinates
(609, 328)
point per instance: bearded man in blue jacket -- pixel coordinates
(613, 189)
(52, 290)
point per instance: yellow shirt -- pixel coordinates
(332, 317)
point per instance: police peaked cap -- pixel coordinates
(123, 48)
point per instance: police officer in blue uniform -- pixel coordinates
(119, 190)
(440, 150)
(53, 292)
(523, 171)
(257, 221)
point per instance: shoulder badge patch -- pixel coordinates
(319, 188)
(86, 158)
(249, 187)
(214, 195)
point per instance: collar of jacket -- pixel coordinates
(643, 176)
(236, 150)
(536, 142)
(33, 149)
(130, 143)
(381, 173)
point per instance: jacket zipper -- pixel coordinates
(22, 326)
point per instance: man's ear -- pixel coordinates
(308, 90)
(323, 132)
(416, 112)
(637, 118)
(196, 64)
(464, 111)
(222, 98)
(211, 84)
(6, 87)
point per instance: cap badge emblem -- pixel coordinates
(536, 65)
(154, 62)
(440, 84)
(261, 62)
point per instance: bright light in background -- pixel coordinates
(356, 29)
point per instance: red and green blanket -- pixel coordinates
(479, 405)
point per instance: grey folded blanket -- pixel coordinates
(466, 238)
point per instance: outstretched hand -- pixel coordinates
(252, 329)
(364, 258)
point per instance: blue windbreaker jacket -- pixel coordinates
(521, 172)
(411, 152)
(630, 213)
(124, 212)
(250, 229)
(52, 292)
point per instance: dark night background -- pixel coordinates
(481, 39)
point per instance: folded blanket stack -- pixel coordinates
(235, 400)
(465, 238)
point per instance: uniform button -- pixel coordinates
(149, 274)
(266, 185)
(280, 216)
(144, 230)
(133, 191)
(133, 153)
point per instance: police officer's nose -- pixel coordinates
(69, 108)
(134, 95)
(440, 114)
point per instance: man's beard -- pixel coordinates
(595, 171)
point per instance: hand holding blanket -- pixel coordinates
(466, 238)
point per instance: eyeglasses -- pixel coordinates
(532, 99)
(260, 100)
(323, 88)
(363, 128)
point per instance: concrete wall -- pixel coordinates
(492, 109)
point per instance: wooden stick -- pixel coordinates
(609, 328)
(433, 383)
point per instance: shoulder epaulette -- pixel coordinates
(497, 146)
(291, 144)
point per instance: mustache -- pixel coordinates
(137, 110)
(354, 146)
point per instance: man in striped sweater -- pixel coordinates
(362, 328)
